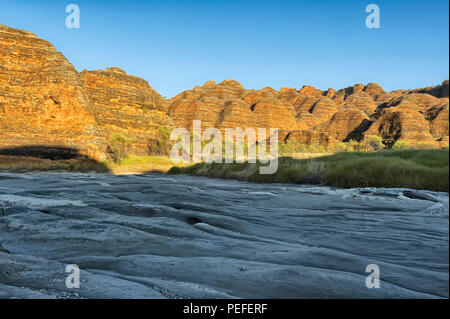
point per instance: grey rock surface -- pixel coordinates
(160, 236)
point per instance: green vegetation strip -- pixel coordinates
(22, 165)
(141, 160)
(417, 169)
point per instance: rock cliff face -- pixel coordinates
(229, 105)
(125, 104)
(437, 91)
(44, 101)
(312, 116)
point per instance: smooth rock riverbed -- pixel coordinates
(163, 236)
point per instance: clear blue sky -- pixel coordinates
(176, 45)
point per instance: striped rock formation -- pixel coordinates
(44, 101)
(310, 115)
(125, 104)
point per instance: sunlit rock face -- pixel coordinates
(125, 104)
(45, 101)
(42, 100)
(229, 105)
(355, 112)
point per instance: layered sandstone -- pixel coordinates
(45, 101)
(438, 91)
(309, 115)
(42, 100)
(345, 124)
(125, 104)
(413, 117)
(229, 105)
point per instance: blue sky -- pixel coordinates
(176, 45)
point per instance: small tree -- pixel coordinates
(375, 142)
(402, 145)
(119, 147)
(303, 148)
(354, 146)
(288, 148)
(161, 144)
(317, 148)
(342, 147)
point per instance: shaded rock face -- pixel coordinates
(45, 152)
(414, 117)
(437, 91)
(125, 104)
(312, 116)
(42, 100)
(438, 117)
